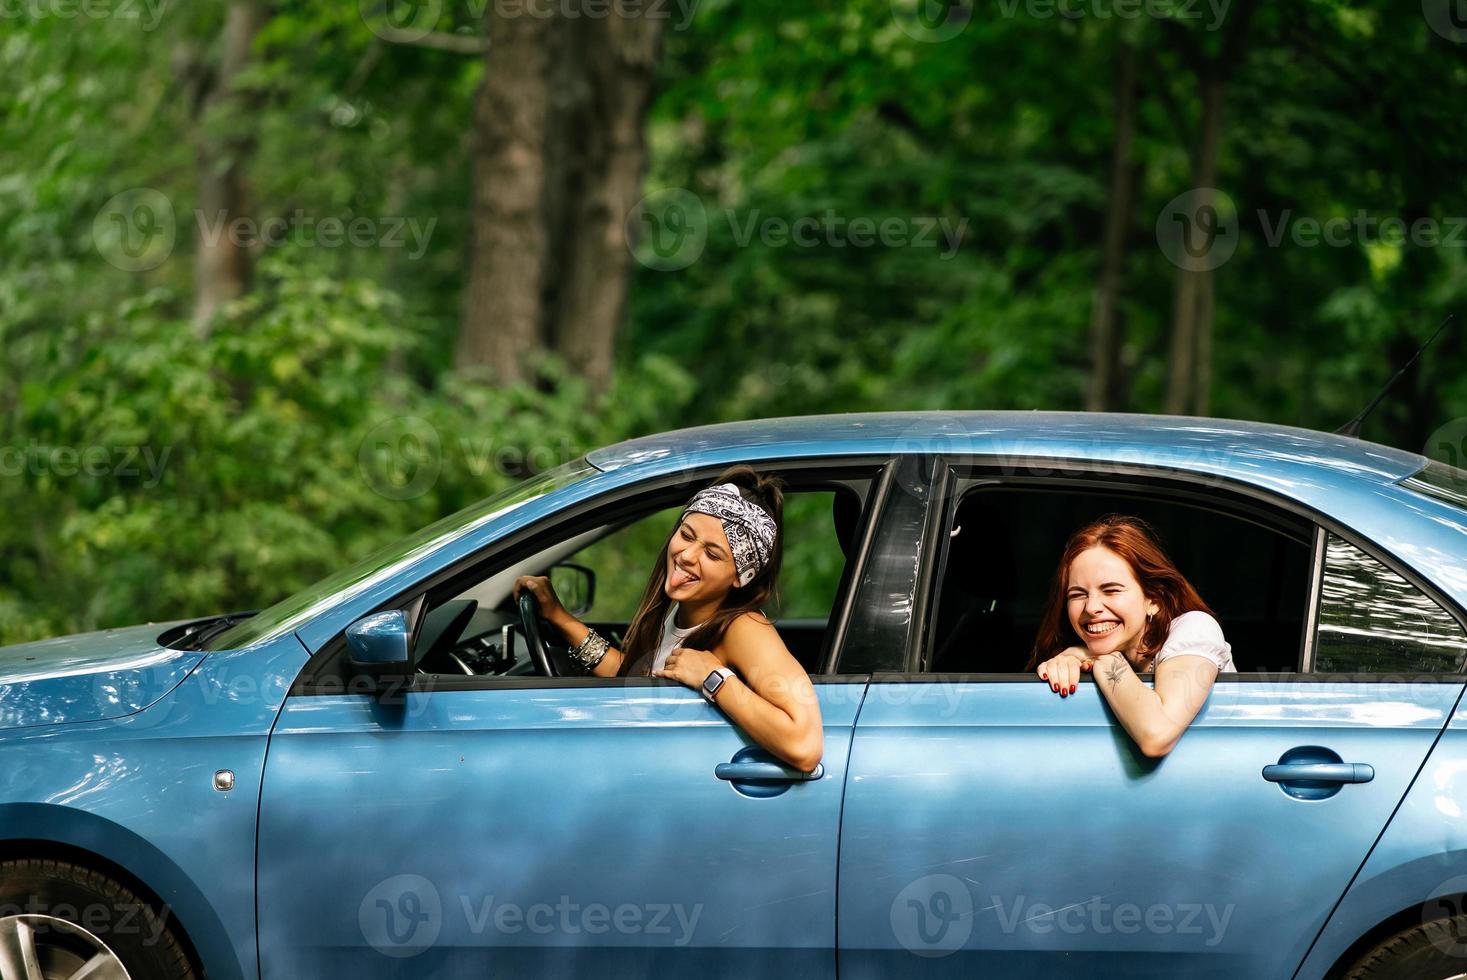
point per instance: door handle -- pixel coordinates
(767, 771)
(1322, 772)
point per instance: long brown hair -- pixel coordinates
(645, 630)
(1133, 540)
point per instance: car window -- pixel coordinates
(475, 627)
(1005, 543)
(1372, 620)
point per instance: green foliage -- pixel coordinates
(149, 470)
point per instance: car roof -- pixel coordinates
(1156, 439)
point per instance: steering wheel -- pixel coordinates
(530, 621)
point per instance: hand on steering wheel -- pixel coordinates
(527, 590)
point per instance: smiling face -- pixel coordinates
(1105, 603)
(700, 565)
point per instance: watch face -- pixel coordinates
(713, 682)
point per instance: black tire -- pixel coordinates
(35, 891)
(1435, 950)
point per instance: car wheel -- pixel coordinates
(1423, 952)
(60, 920)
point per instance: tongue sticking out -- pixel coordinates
(679, 578)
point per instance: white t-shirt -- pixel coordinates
(673, 637)
(1197, 634)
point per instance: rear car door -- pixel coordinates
(990, 825)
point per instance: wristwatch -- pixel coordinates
(714, 681)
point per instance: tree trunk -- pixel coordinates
(1106, 334)
(558, 168)
(223, 266)
(619, 55)
(503, 314)
(1190, 378)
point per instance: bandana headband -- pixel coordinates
(749, 528)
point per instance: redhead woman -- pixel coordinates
(1118, 608)
(700, 621)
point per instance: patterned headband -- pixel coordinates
(749, 527)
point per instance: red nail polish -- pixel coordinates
(1072, 688)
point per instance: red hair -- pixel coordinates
(1132, 539)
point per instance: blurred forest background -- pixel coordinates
(281, 280)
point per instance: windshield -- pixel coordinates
(295, 610)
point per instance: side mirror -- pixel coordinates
(379, 644)
(575, 585)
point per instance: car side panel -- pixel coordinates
(1421, 855)
(139, 791)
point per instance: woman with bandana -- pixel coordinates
(700, 621)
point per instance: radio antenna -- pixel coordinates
(1352, 427)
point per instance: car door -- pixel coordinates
(991, 827)
(525, 826)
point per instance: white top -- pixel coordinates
(1197, 634)
(673, 637)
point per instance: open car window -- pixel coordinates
(476, 628)
(1005, 543)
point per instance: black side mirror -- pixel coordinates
(575, 585)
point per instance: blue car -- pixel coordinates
(398, 772)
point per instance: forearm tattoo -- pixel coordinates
(1115, 670)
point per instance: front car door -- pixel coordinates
(531, 826)
(991, 826)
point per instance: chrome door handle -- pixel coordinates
(767, 771)
(1322, 772)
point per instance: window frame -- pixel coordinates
(969, 472)
(322, 675)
